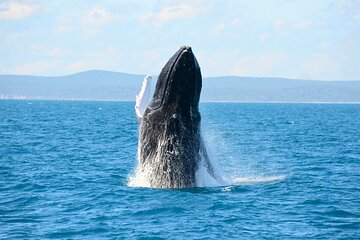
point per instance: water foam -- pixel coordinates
(218, 178)
(209, 173)
(139, 179)
(223, 179)
(205, 179)
(258, 179)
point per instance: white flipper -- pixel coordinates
(144, 97)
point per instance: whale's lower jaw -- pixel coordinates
(170, 153)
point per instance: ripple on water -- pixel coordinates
(64, 168)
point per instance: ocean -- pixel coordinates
(291, 171)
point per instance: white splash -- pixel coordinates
(257, 179)
(140, 178)
(205, 179)
(209, 174)
(218, 178)
(221, 178)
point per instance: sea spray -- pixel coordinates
(209, 172)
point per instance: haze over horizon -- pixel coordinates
(106, 85)
(156, 75)
(318, 40)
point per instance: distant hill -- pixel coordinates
(89, 85)
(251, 89)
(106, 85)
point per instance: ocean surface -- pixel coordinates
(292, 172)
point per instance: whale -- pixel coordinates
(171, 147)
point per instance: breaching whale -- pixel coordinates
(170, 143)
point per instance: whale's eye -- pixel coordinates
(170, 148)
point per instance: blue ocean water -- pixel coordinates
(295, 172)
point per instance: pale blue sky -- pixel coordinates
(311, 39)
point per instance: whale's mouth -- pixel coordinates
(177, 74)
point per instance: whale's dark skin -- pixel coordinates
(170, 143)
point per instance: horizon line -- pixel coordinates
(215, 101)
(155, 75)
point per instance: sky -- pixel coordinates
(306, 39)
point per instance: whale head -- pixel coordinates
(179, 84)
